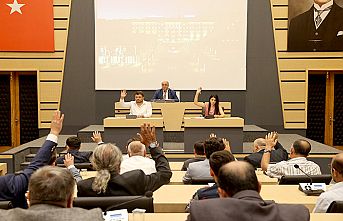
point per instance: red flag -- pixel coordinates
(27, 25)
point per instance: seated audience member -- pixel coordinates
(51, 195)
(165, 93)
(199, 155)
(335, 192)
(299, 151)
(278, 153)
(217, 160)
(239, 190)
(137, 159)
(212, 107)
(201, 169)
(139, 106)
(73, 145)
(14, 186)
(106, 159)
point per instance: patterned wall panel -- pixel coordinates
(28, 108)
(5, 110)
(338, 111)
(316, 107)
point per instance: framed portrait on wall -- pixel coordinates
(315, 25)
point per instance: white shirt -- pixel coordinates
(138, 163)
(287, 168)
(145, 109)
(335, 193)
(324, 13)
(165, 93)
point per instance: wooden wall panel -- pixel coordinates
(293, 69)
(49, 66)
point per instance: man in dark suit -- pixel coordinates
(239, 189)
(165, 93)
(318, 29)
(73, 145)
(14, 186)
(51, 195)
(278, 154)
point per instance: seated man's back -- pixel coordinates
(137, 159)
(73, 145)
(239, 190)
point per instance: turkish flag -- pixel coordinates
(27, 25)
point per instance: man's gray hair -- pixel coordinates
(51, 184)
(136, 148)
(106, 159)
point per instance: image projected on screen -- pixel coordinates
(190, 43)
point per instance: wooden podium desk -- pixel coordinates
(174, 198)
(183, 216)
(119, 129)
(198, 128)
(174, 112)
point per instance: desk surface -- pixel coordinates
(215, 122)
(176, 178)
(174, 198)
(123, 122)
(3, 169)
(175, 166)
(183, 216)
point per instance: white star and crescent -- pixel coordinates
(15, 7)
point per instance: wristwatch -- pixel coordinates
(267, 151)
(153, 145)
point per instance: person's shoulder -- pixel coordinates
(197, 164)
(303, 16)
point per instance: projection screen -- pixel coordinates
(190, 43)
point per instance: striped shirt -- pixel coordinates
(287, 168)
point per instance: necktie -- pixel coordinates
(164, 96)
(318, 20)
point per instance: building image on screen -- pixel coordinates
(191, 43)
(315, 25)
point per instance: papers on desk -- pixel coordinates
(117, 215)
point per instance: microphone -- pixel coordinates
(147, 194)
(309, 189)
(297, 167)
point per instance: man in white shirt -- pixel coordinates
(137, 159)
(299, 151)
(335, 193)
(139, 107)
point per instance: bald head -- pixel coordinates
(259, 144)
(337, 167)
(237, 176)
(301, 147)
(136, 148)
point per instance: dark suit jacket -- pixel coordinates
(14, 186)
(171, 95)
(79, 157)
(246, 205)
(303, 36)
(277, 155)
(133, 182)
(39, 212)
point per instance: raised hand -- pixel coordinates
(123, 94)
(199, 90)
(226, 144)
(270, 140)
(147, 134)
(68, 160)
(56, 123)
(96, 137)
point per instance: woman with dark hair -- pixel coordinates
(212, 107)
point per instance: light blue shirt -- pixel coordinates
(335, 193)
